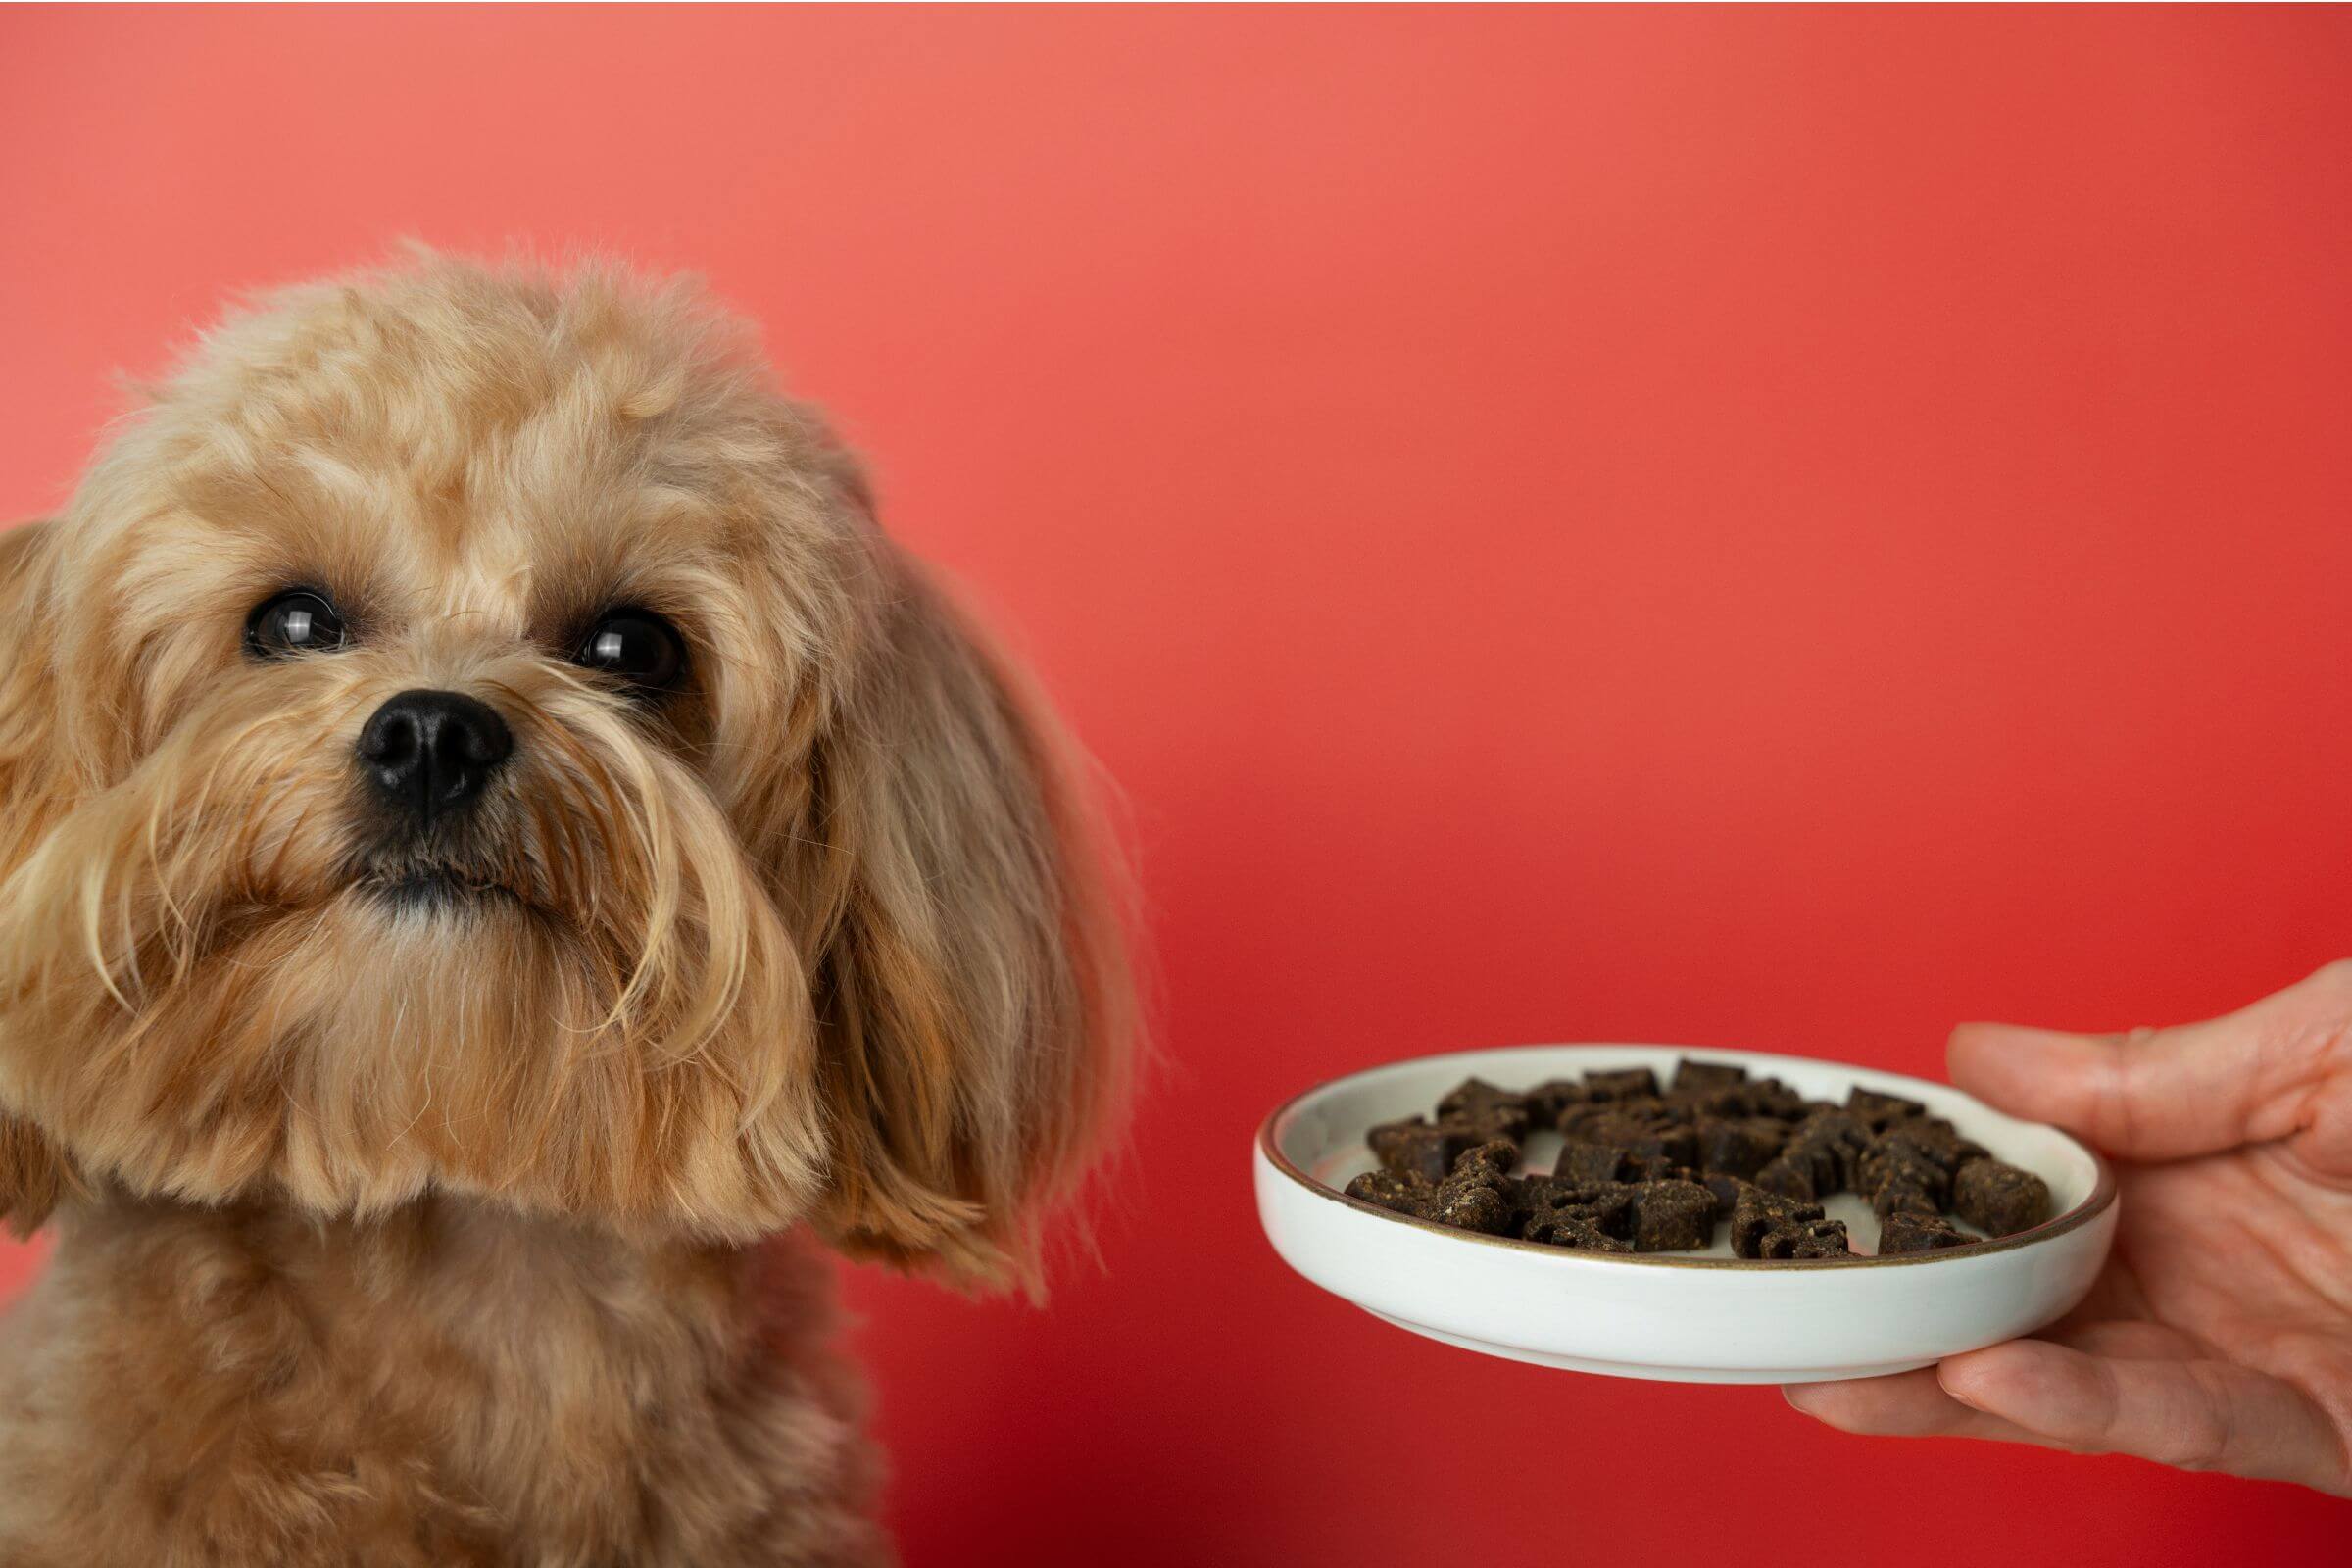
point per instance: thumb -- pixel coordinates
(2279, 1068)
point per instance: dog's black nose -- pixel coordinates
(430, 753)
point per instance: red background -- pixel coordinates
(1783, 528)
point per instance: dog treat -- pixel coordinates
(2000, 1200)
(1608, 1206)
(1835, 1140)
(1672, 1216)
(1901, 1232)
(1901, 1176)
(1566, 1228)
(1399, 1192)
(1902, 1197)
(1481, 1195)
(1646, 1169)
(1675, 1144)
(1602, 1122)
(1701, 1077)
(1476, 1093)
(1736, 1148)
(1769, 1096)
(1582, 1162)
(1758, 1215)
(1547, 1101)
(1497, 1156)
(1471, 1205)
(1725, 1189)
(1630, 1083)
(1821, 1237)
(1788, 1178)
(1485, 1111)
(1416, 1147)
(1878, 1112)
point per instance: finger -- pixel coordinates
(2131, 1340)
(2166, 1094)
(2195, 1415)
(1905, 1404)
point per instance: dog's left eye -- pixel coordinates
(298, 622)
(636, 645)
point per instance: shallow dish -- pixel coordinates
(1691, 1317)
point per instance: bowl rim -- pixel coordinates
(2102, 1192)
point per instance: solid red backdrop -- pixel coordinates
(1768, 528)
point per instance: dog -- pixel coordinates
(505, 864)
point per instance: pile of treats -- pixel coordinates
(1651, 1171)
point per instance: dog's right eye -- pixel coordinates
(298, 622)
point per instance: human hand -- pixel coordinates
(2219, 1335)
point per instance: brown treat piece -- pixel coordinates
(1726, 1190)
(1788, 1178)
(1480, 1196)
(1877, 1111)
(1498, 1156)
(1900, 1154)
(1414, 1146)
(1565, 1228)
(1900, 1196)
(1585, 1162)
(2000, 1200)
(1502, 1118)
(1896, 1180)
(1484, 1110)
(1736, 1148)
(1821, 1237)
(1658, 1168)
(1672, 1216)
(1471, 1206)
(1547, 1099)
(1901, 1232)
(1700, 1076)
(1757, 1213)
(1608, 1205)
(1476, 1095)
(1676, 1143)
(1928, 1141)
(1522, 1194)
(1398, 1193)
(1602, 1122)
(1730, 1103)
(1769, 1096)
(1628, 1083)
(1841, 1134)
(1941, 1140)
(1825, 1146)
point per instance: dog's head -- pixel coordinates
(467, 733)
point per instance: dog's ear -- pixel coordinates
(974, 984)
(29, 763)
(34, 1174)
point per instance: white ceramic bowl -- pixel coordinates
(1691, 1317)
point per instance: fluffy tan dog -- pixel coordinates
(498, 848)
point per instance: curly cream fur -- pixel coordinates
(393, 1236)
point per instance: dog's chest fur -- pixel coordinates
(190, 1387)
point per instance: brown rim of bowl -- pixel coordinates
(2102, 1188)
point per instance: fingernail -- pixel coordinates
(1947, 1374)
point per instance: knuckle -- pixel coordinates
(2332, 980)
(2201, 1440)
